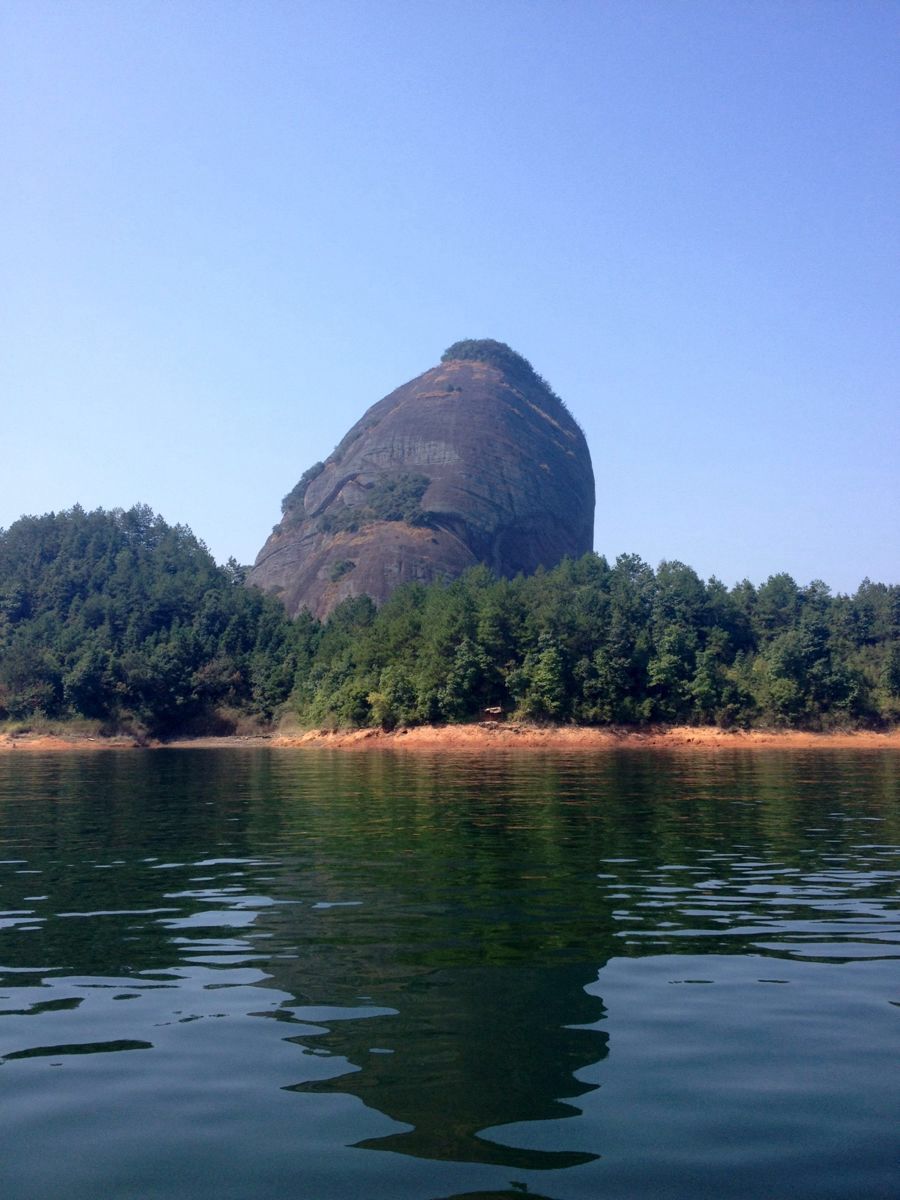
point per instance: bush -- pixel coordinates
(389, 498)
(295, 497)
(339, 569)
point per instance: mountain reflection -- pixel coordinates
(471, 1049)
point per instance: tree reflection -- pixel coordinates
(471, 1049)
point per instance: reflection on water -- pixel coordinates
(474, 1048)
(622, 975)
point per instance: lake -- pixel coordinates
(245, 973)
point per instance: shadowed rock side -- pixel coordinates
(472, 462)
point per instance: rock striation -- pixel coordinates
(475, 461)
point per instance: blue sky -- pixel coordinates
(226, 229)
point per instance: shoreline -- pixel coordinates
(485, 737)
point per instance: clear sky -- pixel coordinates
(228, 228)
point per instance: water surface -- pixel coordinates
(229, 973)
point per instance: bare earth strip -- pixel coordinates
(489, 736)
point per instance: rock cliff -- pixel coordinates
(476, 461)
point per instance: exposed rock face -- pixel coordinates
(476, 461)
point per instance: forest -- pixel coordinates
(116, 617)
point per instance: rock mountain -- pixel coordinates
(476, 461)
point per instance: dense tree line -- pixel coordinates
(598, 644)
(119, 617)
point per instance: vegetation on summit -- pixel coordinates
(515, 366)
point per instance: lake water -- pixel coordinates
(302, 974)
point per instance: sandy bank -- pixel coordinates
(67, 741)
(489, 737)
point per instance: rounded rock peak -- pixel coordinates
(477, 460)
